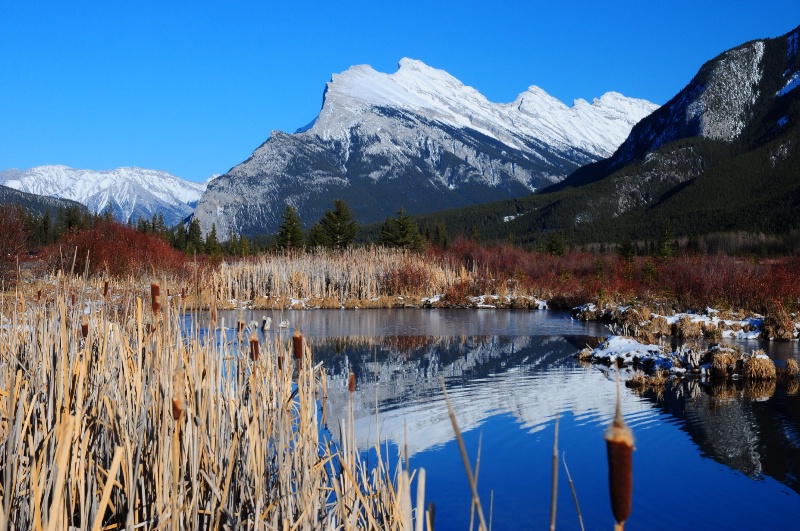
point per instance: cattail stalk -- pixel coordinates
(178, 394)
(619, 446)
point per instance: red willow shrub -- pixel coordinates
(406, 279)
(116, 249)
(577, 277)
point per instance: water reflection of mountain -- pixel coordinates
(751, 428)
(530, 378)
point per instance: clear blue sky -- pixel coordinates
(193, 87)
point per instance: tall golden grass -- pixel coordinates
(112, 417)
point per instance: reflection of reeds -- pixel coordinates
(759, 389)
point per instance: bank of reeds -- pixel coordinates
(113, 417)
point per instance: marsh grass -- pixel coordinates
(112, 416)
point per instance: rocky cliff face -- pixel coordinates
(417, 139)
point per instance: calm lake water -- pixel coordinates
(707, 457)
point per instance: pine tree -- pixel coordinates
(179, 237)
(337, 228)
(290, 233)
(401, 231)
(667, 246)
(194, 237)
(212, 243)
(556, 244)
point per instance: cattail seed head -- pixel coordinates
(178, 394)
(254, 346)
(183, 293)
(155, 293)
(297, 343)
(105, 289)
(619, 448)
(84, 326)
(280, 362)
(39, 295)
(351, 385)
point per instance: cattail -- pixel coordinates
(351, 385)
(39, 295)
(72, 298)
(155, 292)
(280, 362)
(254, 346)
(84, 326)
(619, 446)
(178, 393)
(183, 293)
(297, 343)
(105, 289)
(213, 313)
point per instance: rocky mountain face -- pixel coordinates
(417, 139)
(132, 193)
(722, 155)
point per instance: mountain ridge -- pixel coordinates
(721, 155)
(132, 192)
(417, 139)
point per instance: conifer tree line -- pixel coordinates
(337, 229)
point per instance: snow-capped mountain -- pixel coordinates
(721, 155)
(417, 139)
(132, 192)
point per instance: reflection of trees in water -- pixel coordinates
(750, 426)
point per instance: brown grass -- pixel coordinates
(686, 327)
(758, 368)
(778, 324)
(723, 363)
(791, 370)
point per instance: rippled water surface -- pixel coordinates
(707, 457)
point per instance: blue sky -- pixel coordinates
(194, 87)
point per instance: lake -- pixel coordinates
(712, 457)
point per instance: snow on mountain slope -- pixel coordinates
(132, 192)
(598, 127)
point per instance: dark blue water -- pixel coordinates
(707, 457)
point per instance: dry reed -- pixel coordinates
(101, 431)
(759, 367)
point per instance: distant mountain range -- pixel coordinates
(417, 139)
(132, 193)
(722, 155)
